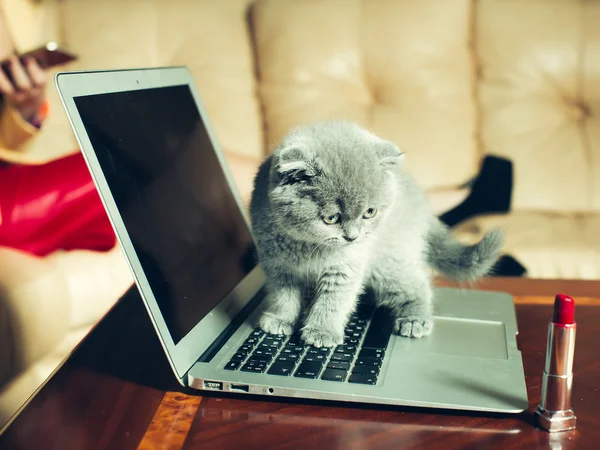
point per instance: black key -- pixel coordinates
(380, 330)
(308, 370)
(350, 340)
(366, 369)
(352, 334)
(232, 365)
(254, 369)
(245, 348)
(239, 356)
(269, 345)
(342, 357)
(252, 341)
(294, 344)
(325, 350)
(345, 349)
(261, 357)
(265, 351)
(255, 363)
(282, 368)
(258, 368)
(315, 358)
(275, 336)
(334, 375)
(372, 353)
(296, 341)
(288, 358)
(272, 342)
(358, 328)
(342, 365)
(257, 333)
(267, 348)
(351, 331)
(368, 362)
(357, 322)
(292, 351)
(362, 378)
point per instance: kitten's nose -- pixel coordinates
(351, 231)
(351, 235)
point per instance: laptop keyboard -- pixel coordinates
(358, 360)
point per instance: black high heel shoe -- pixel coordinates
(491, 192)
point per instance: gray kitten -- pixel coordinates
(333, 214)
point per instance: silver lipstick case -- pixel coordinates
(554, 412)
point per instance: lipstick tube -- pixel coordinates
(554, 412)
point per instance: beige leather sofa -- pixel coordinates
(449, 81)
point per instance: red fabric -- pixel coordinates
(52, 206)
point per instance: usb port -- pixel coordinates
(216, 385)
(239, 387)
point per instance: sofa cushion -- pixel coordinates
(34, 310)
(549, 245)
(94, 280)
(401, 69)
(540, 98)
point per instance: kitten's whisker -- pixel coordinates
(323, 246)
(309, 258)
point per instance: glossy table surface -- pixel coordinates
(116, 391)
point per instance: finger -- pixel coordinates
(22, 81)
(36, 74)
(6, 87)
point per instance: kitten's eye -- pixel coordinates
(369, 213)
(332, 219)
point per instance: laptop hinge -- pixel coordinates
(218, 343)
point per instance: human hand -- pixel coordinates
(26, 91)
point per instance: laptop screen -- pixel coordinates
(175, 201)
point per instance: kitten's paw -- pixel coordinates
(275, 325)
(322, 338)
(413, 327)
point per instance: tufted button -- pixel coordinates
(579, 110)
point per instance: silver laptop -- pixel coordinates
(165, 184)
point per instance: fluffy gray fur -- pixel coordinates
(386, 239)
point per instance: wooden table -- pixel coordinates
(116, 392)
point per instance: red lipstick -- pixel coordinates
(564, 310)
(554, 412)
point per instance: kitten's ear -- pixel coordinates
(389, 155)
(295, 164)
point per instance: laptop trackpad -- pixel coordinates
(464, 337)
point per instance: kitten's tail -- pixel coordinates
(462, 262)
